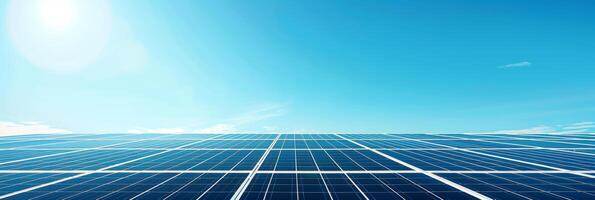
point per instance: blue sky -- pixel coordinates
(297, 66)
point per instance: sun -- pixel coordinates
(59, 35)
(56, 14)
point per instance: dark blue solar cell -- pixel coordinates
(304, 160)
(398, 144)
(422, 136)
(155, 144)
(80, 144)
(232, 144)
(368, 136)
(543, 143)
(457, 160)
(405, 186)
(205, 160)
(198, 160)
(523, 186)
(590, 143)
(560, 159)
(301, 186)
(14, 182)
(83, 160)
(13, 155)
(473, 144)
(30, 143)
(141, 186)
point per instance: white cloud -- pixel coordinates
(580, 125)
(157, 130)
(515, 65)
(534, 130)
(233, 125)
(219, 128)
(18, 128)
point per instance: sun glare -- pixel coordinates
(56, 14)
(59, 35)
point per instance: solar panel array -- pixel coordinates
(297, 166)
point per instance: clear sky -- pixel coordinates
(310, 66)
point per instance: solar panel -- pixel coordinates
(528, 186)
(297, 166)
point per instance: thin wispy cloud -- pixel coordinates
(157, 130)
(515, 65)
(581, 127)
(219, 128)
(18, 128)
(533, 130)
(233, 124)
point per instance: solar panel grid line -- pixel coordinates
(263, 149)
(297, 179)
(502, 188)
(293, 172)
(443, 180)
(41, 186)
(139, 165)
(155, 154)
(206, 191)
(392, 190)
(176, 191)
(123, 188)
(476, 162)
(82, 160)
(33, 145)
(14, 182)
(271, 179)
(531, 178)
(433, 158)
(380, 164)
(188, 160)
(500, 142)
(566, 185)
(529, 186)
(110, 182)
(526, 185)
(51, 138)
(378, 179)
(276, 171)
(516, 160)
(69, 139)
(155, 186)
(560, 149)
(555, 150)
(63, 153)
(165, 137)
(357, 158)
(429, 162)
(242, 188)
(79, 175)
(82, 183)
(26, 179)
(566, 160)
(13, 178)
(456, 160)
(414, 183)
(346, 175)
(570, 180)
(320, 174)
